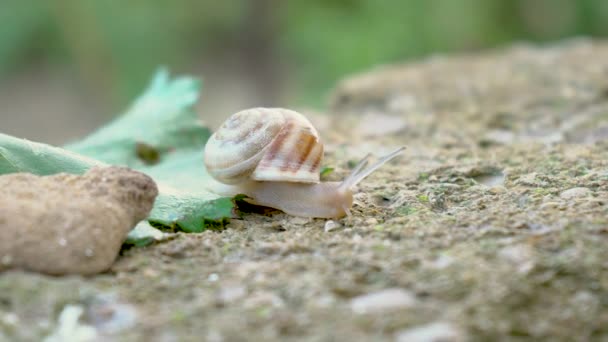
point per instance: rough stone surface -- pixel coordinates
(65, 224)
(523, 94)
(471, 224)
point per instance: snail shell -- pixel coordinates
(265, 144)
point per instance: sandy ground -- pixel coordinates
(492, 226)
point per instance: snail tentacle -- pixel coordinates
(360, 172)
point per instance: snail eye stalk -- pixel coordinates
(361, 171)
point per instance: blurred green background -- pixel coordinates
(66, 66)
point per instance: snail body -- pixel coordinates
(273, 156)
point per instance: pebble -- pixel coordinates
(521, 256)
(384, 300)
(299, 221)
(214, 336)
(109, 316)
(529, 180)
(331, 225)
(499, 137)
(70, 224)
(263, 299)
(236, 224)
(575, 193)
(593, 203)
(497, 190)
(324, 301)
(370, 221)
(551, 205)
(9, 319)
(230, 294)
(69, 327)
(441, 262)
(433, 332)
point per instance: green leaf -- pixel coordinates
(183, 183)
(326, 170)
(163, 121)
(21, 155)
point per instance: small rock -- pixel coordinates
(593, 203)
(384, 300)
(400, 103)
(324, 301)
(516, 253)
(9, 319)
(263, 299)
(441, 262)
(69, 327)
(521, 256)
(230, 294)
(236, 224)
(150, 273)
(179, 248)
(65, 224)
(109, 316)
(299, 221)
(529, 179)
(434, 332)
(214, 336)
(498, 189)
(550, 205)
(331, 225)
(371, 221)
(498, 137)
(575, 193)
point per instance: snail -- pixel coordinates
(273, 156)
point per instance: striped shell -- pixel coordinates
(265, 144)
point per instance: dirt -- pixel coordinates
(492, 226)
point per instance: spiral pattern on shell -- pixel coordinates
(265, 144)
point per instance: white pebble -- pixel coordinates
(6, 260)
(263, 299)
(10, 318)
(299, 220)
(441, 262)
(331, 225)
(69, 327)
(384, 300)
(519, 255)
(433, 332)
(214, 336)
(575, 193)
(550, 205)
(231, 294)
